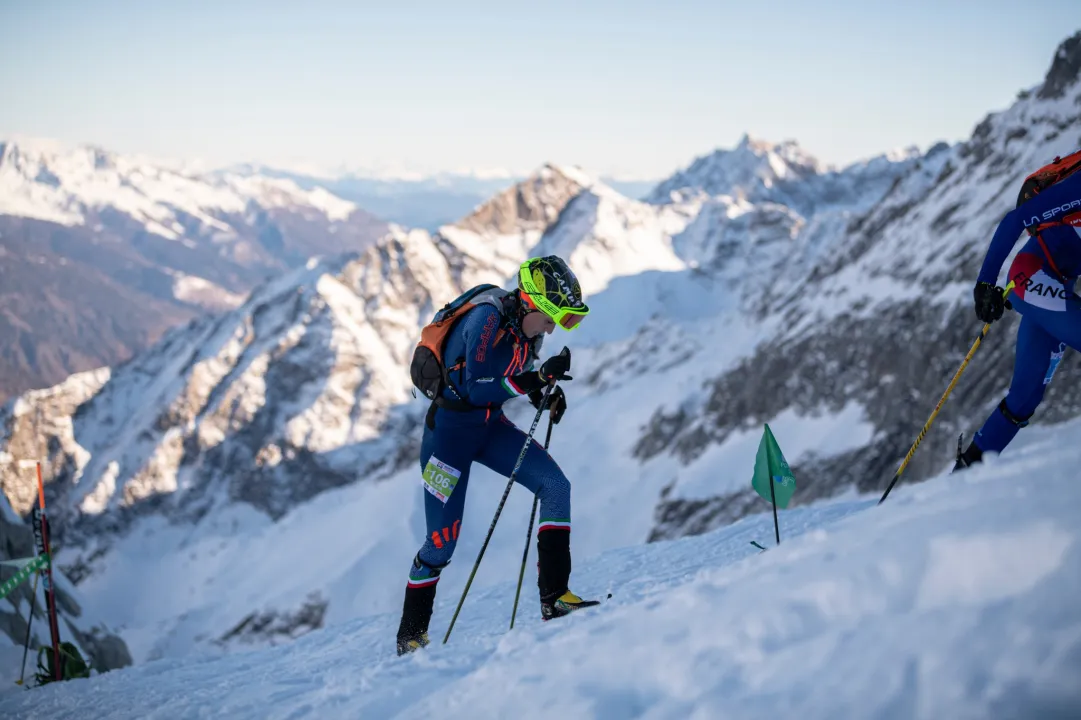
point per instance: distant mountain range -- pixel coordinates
(427, 202)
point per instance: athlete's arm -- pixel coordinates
(484, 381)
(1054, 202)
(1002, 243)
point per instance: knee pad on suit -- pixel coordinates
(1018, 420)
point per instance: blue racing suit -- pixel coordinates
(497, 356)
(1044, 274)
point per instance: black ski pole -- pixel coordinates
(529, 532)
(498, 510)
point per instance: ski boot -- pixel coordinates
(553, 574)
(969, 457)
(565, 604)
(417, 607)
(412, 644)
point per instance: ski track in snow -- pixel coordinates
(955, 599)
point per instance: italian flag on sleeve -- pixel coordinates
(553, 525)
(512, 388)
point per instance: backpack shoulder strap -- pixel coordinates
(466, 297)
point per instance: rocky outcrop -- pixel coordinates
(272, 627)
(1065, 69)
(532, 204)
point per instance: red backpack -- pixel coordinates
(1054, 172)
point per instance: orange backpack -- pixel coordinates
(428, 369)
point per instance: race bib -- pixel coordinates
(440, 479)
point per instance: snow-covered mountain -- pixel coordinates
(759, 171)
(100, 253)
(878, 324)
(421, 201)
(258, 465)
(753, 166)
(956, 599)
(43, 179)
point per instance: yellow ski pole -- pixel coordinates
(927, 426)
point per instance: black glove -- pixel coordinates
(989, 301)
(557, 402)
(553, 369)
(557, 366)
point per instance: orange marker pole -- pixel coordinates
(50, 594)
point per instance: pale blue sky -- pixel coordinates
(625, 87)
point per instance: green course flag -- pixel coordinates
(770, 463)
(33, 565)
(18, 563)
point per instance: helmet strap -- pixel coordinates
(520, 310)
(523, 306)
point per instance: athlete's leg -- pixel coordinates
(445, 457)
(540, 474)
(1042, 339)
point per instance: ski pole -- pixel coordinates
(498, 510)
(529, 532)
(29, 622)
(927, 426)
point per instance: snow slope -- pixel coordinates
(957, 598)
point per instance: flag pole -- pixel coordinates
(770, 467)
(773, 497)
